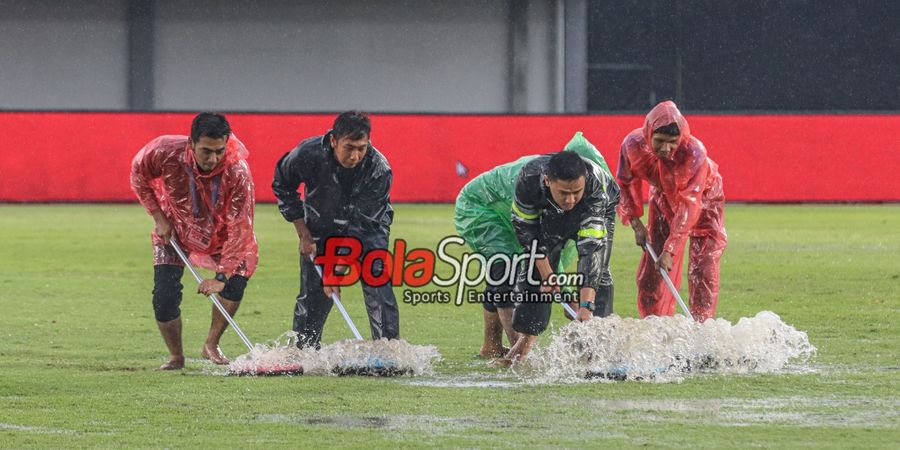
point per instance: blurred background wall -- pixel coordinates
(281, 55)
(449, 56)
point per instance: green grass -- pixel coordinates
(80, 344)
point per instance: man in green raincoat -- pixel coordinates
(483, 219)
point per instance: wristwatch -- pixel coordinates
(588, 305)
(221, 277)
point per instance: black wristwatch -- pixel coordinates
(588, 305)
(221, 277)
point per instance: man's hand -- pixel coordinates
(163, 227)
(549, 288)
(307, 244)
(640, 233)
(331, 290)
(211, 286)
(543, 267)
(587, 294)
(585, 314)
(665, 261)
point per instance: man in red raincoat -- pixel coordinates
(199, 191)
(686, 199)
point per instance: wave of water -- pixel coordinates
(393, 357)
(666, 349)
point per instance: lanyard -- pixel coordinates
(199, 194)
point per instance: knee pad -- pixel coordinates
(234, 288)
(167, 292)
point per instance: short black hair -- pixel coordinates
(566, 166)
(352, 124)
(211, 125)
(670, 129)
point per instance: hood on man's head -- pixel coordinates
(235, 150)
(663, 114)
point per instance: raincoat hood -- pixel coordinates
(664, 114)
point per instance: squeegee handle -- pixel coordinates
(212, 297)
(337, 302)
(669, 283)
(569, 310)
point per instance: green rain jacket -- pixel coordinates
(484, 205)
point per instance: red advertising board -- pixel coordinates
(86, 157)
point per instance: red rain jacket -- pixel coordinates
(211, 213)
(683, 186)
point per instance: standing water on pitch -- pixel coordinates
(283, 352)
(666, 349)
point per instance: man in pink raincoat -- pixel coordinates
(199, 191)
(686, 199)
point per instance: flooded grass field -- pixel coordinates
(804, 353)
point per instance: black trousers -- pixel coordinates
(312, 307)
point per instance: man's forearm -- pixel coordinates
(158, 216)
(302, 230)
(587, 294)
(543, 267)
(635, 221)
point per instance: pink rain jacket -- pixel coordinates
(683, 187)
(211, 213)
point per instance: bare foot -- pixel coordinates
(488, 354)
(214, 354)
(176, 363)
(503, 362)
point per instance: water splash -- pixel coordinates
(665, 349)
(280, 354)
(343, 357)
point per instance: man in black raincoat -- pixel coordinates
(559, 197)
(347, 194)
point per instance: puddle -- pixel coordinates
(37, 430)
(785, 411)
(813, 412)
(489, 381)
(403, 422)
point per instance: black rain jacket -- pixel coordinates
(338, 201)
(535, 216)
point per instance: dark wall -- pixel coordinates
(789, 55)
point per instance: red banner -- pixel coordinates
(84, 157)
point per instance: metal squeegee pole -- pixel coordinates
(337, 301)
(212, 297)
(569, 310)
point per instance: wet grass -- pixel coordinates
(79, 346)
